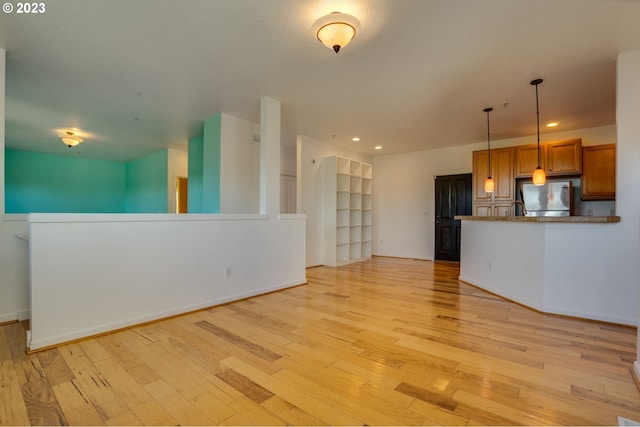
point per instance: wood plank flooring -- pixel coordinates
(385, 342)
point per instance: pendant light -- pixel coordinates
(539, 177)
(489, 184)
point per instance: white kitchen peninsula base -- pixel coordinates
(570, 266)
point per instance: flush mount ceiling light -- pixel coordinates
(336, 30)
(539, 177)
(70, 140)
(489, 185)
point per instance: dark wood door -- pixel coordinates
(453, 197)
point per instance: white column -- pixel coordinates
(269, 157)
(628, 158)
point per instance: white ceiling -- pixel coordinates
(136, 76)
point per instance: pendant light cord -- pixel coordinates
(536, 82)
(487, 110)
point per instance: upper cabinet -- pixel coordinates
(564, 157)
(556, 158)
(599, 172)
(527, 159)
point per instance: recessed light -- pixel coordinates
(552, 124)
(378, 147)
(355, 139)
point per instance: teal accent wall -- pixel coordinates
(146, 182)
(211, 165)
(39, 182)
(195, 174)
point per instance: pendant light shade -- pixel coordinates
(539, 177)
(489, 184)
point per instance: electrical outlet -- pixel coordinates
(227, 272)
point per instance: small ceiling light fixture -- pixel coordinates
(552, 124)
(336, 30)
(355, 139)
(539, 177)
(70, 140)
(378, 147)
(489, 185)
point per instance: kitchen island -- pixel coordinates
(571, 266)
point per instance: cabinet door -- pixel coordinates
(502, 210)
(480, 171)
(482, 210)
(487, 209)
(527, 159)
(503, 173)
(599, 172)
(564, 157)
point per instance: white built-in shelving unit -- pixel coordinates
(348, 214)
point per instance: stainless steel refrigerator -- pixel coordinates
(550, 199)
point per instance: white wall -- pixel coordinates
(14, 251)
(14, 268)
(288, 160)
(178, 165)
(628, 203)
(404, 200)
(239, 166)
(129, 269)
(311, 189)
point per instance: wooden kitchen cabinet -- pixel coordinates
(564, 157)
(557, 158)
(599, 172)
(502, 172)
(490, 209)
(480, 170)
(527, 159)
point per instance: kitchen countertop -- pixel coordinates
(569, 219)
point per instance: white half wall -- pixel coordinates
(573, 269)
(404, 199)
(128, 269)
(311, 189)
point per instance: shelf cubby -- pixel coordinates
(367, 186)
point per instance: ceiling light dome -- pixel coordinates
(336, 30)
(70, 140)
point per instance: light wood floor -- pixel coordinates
(385, 342)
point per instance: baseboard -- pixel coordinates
(14, 316)
(43, 343)
(555, 311)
